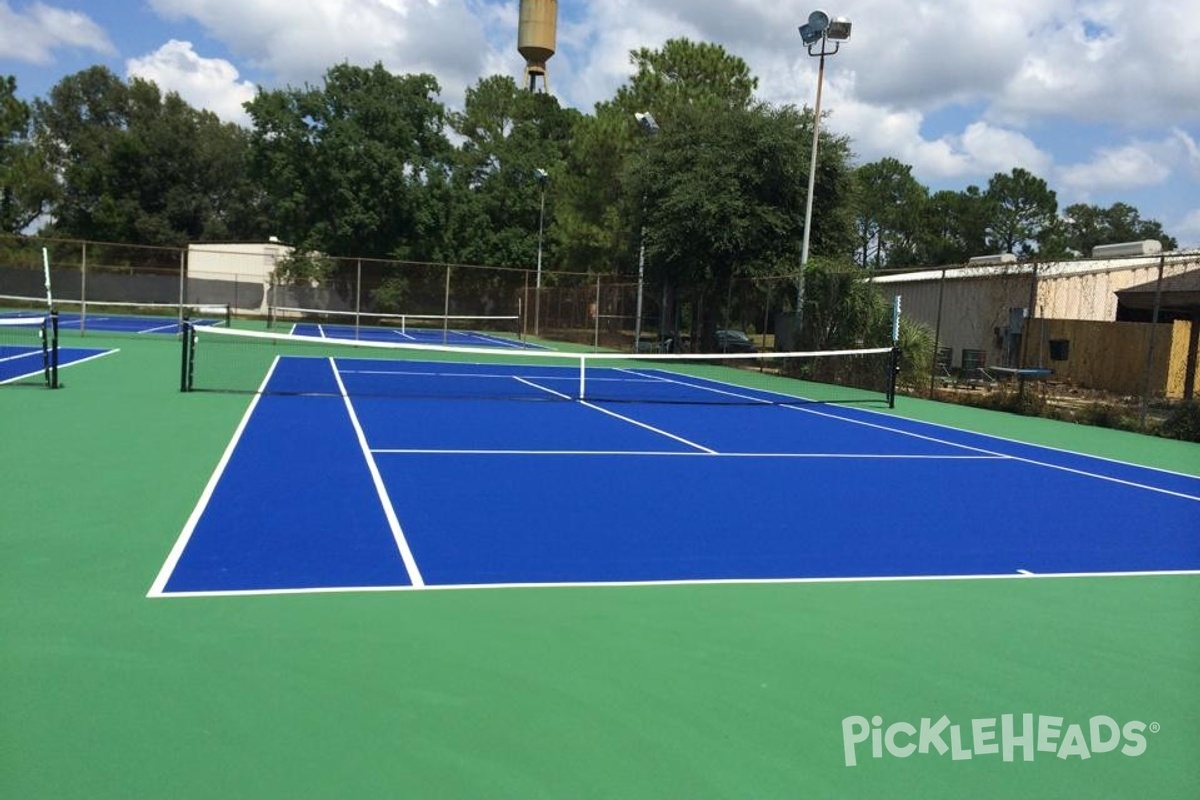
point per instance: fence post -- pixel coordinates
(1149, 369)
(937, 334)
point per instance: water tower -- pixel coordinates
(535, 38)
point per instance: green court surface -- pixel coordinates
(687, 691)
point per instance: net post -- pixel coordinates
(893, 374)
(187, 360)
(44, 341)
(582, 373)
(228, 315)
(894, 358)
(53, 350)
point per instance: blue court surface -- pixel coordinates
(350, 490)
(118, 323)
(409, 335)
(134, 324)
(24, 364)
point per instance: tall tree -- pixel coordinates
(358, 165)
(685, 73)
(889, 206)
(508, 134)
(955, 227)
(140, 167)
(27, 186)
(724, 193)
(1020, 205)
(1089, 225)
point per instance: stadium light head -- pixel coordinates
(541, 175)
(808, 35)
(646, 121)
(839, 29)
(818, 21)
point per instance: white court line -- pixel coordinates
(1026, 573)
(675, 453)
(1010, 457)
(958, 445)
(624, 418)
(168, 567)
(690, 582)
(410, 562)
(157, 328)
(61, 366)
(25, 354)
(86, 359)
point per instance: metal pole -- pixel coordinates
(83, 291)
(637, 331)
(596, 345)
(357, 297)
(808, 201)
(182, 285)
(937, 335)
(537, 297)
(446, 310)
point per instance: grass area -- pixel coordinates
(650, 692)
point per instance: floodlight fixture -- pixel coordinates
(541, 175)
(647, 121)
(822, 36)
(839, 29)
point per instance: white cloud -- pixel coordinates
(1187, 229)
(1120, 62)
(1114, 168)
(208, 83)
(297, 41)
(1189, 152)
(32, 35)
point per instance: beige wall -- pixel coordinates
(1088, 295)
(1106, 355)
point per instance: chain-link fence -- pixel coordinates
(1119, 332)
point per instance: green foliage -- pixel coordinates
(916, 353)
(391, 294)
(1182, 423)
(27, 185)
(842, 309)
(300, 268)
(1020, 207)
(138, 166)
(1085, 226)
(361, 165)
(356, 166)
(889, 208)
(682, 74)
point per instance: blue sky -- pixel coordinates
(1084, 94)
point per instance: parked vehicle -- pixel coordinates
(731, 341)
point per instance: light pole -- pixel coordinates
(542, 179)
(650, 128)
(816, 34)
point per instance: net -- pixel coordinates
(29, 351)
(125, 316)
(219, 359)
(427, 328)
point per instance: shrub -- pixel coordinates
(1183, 423)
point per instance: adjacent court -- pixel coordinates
(30, 353)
